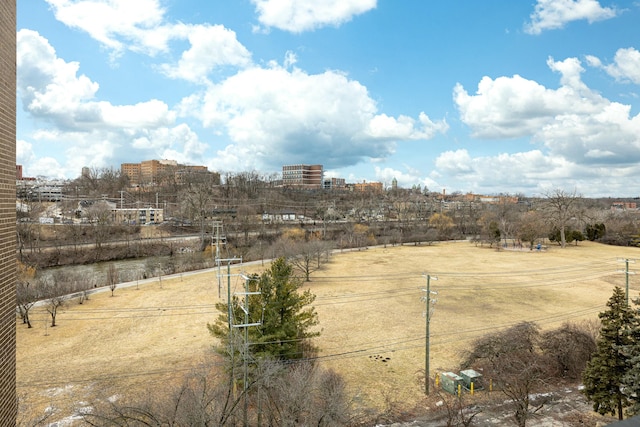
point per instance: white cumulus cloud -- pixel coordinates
(297, 16)
(572, 121)
(554, 14)
(116, 23)
(141, 26)
(52, 90)
(625, 66)
(527, 172)
(212, 46)
(24, 152)
(179, 143)
(90, 132)
(276, 116)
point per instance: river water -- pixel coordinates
(131, 269)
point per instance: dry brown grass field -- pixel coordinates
(370, 310)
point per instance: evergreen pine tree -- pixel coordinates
(631, 379)
(283, 312)
(603, 376)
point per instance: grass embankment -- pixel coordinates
(370, 310)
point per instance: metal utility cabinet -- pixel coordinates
(470, 376)
(450, 382)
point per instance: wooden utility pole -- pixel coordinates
(429, 309)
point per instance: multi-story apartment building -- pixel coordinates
(132, 171)
(302, 176)
(8, 400)
(153, 171)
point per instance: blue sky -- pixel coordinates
(487, 96)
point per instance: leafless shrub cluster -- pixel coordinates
(521, 361)
(278, 395)
(456, 410)
(569, 348)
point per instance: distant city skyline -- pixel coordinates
(484, 97)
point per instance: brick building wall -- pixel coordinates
(8, 402)
(132, 170)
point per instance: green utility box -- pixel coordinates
(470, 376)
(450, 382)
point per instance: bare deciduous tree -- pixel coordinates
(30, 416)
(561, 207)
(112, 278)
(442, 223)
(203, 398)
(196, 201)
(531, 227)
(99, 215)
(56, 293)
(307, 256)
(512, 360)
(27, 294)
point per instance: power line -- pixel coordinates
(391, 346)
(396, 345)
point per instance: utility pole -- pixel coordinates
(627, 273)
(230, 316)
(220, 240)
(246, 325)
(429, 311)
(219, 262)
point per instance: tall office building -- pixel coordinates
(8, 402)
(302, 176)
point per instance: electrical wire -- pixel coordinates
(388, 347)
(576, 275)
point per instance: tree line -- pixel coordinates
(246, 206)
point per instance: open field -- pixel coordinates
(370, 310)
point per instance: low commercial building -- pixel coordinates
(373, 187)
(334, 184)
(139, 216)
